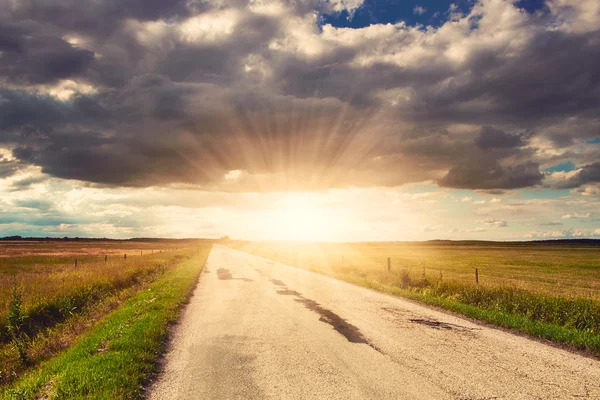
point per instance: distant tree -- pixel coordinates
(224, 239)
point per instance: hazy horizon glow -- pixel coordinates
(311, 120)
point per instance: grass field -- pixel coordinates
(47, 302)
(549, 291)
(28, 250)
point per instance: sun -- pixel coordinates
(304, 216)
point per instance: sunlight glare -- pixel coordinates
(298, 216)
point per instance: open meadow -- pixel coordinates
(547, 290)
(52, 292)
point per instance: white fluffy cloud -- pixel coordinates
(419, 10)
(576, 215)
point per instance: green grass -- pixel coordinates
(575, 322)
(119, 356)
(516, 292)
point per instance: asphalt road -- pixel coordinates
(257, 329)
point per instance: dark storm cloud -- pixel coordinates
(485, 174)
(31, 55)
(378, 106)
(99, 18)
(491, 137)
(496, 161)
(163, 132)
(19, 109)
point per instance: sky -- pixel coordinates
(347, 120)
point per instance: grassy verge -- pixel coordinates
(36, 324)
(555, 319)
(573, 321)
(116, 358)
(52, 292)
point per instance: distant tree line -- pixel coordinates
(80, 239)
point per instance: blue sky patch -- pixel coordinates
(528, 194)
(419, 188)
(413, 12)
(531, 6)
(563, 167)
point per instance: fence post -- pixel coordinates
(75, 263)
(105, 258)
(125, 257)
(389, 263)
(477, 276)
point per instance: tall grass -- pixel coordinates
(581, 314)
(51, 296)
(15, 322)
(116, 358)
(40, 305)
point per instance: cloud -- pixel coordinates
(473, 230)
(551, 223)
(494, 222)
(576, 215)
(99, 19)
(486, 166)
(184, 92)
(349, 5)
(198, 117)
(548, 234)
(490, 138)
(8, 167)
(419, 10)
(587, 174)
(489, 174)
(34, 56)
(431, 228)
(26, 182)
(588, 190)
(565, 233)
(42, 205)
